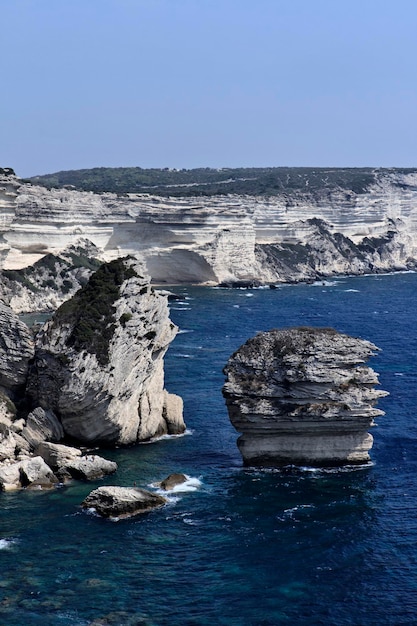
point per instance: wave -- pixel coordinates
(187, 432)
(182, 331)
(6, 544)
(352, 290)
(190, 485)
(325, 283)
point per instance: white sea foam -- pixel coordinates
(352, 290)
(180, 355)
(184, 330)
(325, 283)
(187, 431)
(6, 544)
(298, 508)
(190, 485)
(91, 511)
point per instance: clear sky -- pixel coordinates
(207, 83)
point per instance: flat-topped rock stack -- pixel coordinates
(303, 396)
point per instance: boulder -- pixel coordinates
(40, 426)
(8, 444)
(10, 477)
(89, 467)
(56, 455)
(116, 502)
(302, 396)
(172, 481)
(35, 472)
(69, 463)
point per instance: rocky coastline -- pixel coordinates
(293, 236)
(92, 374)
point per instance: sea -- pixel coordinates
(237, 546)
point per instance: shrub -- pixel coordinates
(90, 311)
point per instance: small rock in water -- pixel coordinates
(172, 481)
(116, 502)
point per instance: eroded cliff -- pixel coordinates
(99, 361)
(297, 233)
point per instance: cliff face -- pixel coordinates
(16, 350)
(302, 396)
(46, 284)
(99, 361)
(293, 235)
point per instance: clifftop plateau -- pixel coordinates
(316, 223)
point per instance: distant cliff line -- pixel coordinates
(319, 222)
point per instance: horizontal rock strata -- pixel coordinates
(302, 396)
(297, 234)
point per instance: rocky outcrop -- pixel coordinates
(99, 361)
(299, 233)
(302, 396)
(46, 468)
(120, 502)
(41, 425)
(172, 481)
(68, 462)
(16, 350)
(52, 280)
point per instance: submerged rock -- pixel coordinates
(122, 501)
(99, 361)
(302, 396)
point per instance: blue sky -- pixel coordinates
(207, 83)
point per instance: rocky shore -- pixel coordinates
(92, 374)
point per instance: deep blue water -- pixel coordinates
(248, 547)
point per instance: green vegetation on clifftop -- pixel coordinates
(266, 181)
(90, 311)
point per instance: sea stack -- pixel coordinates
(302, 396)
(99, 364)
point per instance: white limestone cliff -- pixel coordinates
(99, 361)
(219, 238)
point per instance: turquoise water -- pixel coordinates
(246, 547)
